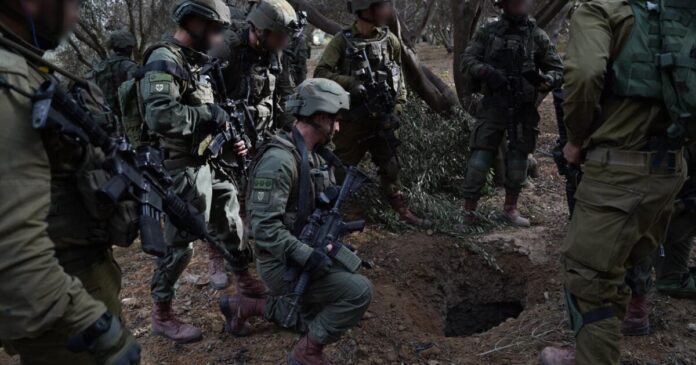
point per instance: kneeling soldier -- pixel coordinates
(337, 297)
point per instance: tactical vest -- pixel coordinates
(379, 53)
(108, 75)
(76, 216)
(658, 61)
(513, 53)
(320, 174)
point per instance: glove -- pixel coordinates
(108, 342)
(219, 117)
(317, 264)
(496, 80)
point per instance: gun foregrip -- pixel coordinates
(354, 226)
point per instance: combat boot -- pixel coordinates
(237, 310)
(165, 323)
(557, 356)
(249, 286)
(637, 321)
(307, 352)
(470, 207)
(398, 203)
(510, 212)
(216, 269)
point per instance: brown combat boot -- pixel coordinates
(216, 269)
(637, 320)
(165, 323)
(249, 286)
(470, 207)
(237, 310)
(398, 203)
(557, 356)
(307, 352)
(510, 212)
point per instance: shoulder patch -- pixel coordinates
(160, 77)
(159, 88)
(263, 183)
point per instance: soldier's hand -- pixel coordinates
(572, 154)
(108, 342)
(220, 118)
(240, 148)
(317, 264)
(545, 87)
(496, 80)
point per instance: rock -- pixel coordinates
(368, 315)
(691, 327)
(546, 295)
(129, 301)
(392, 357)
(401, 328)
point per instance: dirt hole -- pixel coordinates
(467, 318)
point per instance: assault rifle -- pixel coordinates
(138, 174)
(326, 227)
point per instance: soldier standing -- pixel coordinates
(179, 113)
(337, 297)
(59, 283)
(118, 67)
(253, 55)
(628, 58)
(345, 61)
(505, 58)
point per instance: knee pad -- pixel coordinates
(577, 319)
(480, 163)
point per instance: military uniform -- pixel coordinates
(357, 137)
(58, 273)
(333, 303)
(631, 174)
(177, 108)
(251, 76)
(511, 47)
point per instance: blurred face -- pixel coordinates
(517, 7)
(209, 34)
(53, 18)
(275, 41)
(379, 14)
(330, 125)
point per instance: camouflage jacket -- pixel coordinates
(513, 48)
(109, 74)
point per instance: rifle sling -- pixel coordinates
(303, 205)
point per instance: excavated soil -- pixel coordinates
(438, 300)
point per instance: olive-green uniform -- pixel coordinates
(293, 73)
(250, 76)
(333, 303)
(512, 47)
(631, 177)
(357, 137)
(57, 273)
(176, 104)
(110, 73)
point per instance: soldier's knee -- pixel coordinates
(516, 165)
(361, 291)
(479, 164)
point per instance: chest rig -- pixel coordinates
(512, 49)
(379, 56)
(658, 61)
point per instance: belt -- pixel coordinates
(74, 259)
(651, 162)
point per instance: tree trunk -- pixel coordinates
(465, 15)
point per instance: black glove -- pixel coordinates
(317, 264)
(219, 116)
(496, 80)
(108, 342)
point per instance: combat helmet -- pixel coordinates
(121, 40)
(212, 10)
(277, 16)
(318, 95)
(355, 6)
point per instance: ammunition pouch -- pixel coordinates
(347, 258)
(77, 259)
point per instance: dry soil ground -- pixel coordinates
(436, 301)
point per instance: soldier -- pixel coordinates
(626, 66)
(118, 67)
(253, 55)
(504, 57)
(337, 298)
(362, 131)
(179, 113)
(59, 283)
